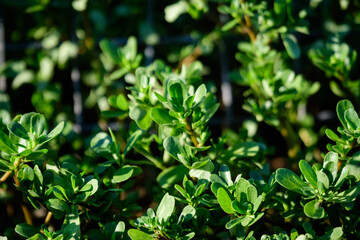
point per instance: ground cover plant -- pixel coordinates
(271, 151)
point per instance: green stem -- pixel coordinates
(152, 159)
(192, 133)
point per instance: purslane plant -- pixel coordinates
(74, 196)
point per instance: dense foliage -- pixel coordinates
(144, 148)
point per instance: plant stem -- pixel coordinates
(5, 176)
(153, 159)
(48, 218)
(247, 28)
(26, 212)
(191, 132)
(191, 58)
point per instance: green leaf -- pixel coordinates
(308, 173)
(344, 173)
(323, 181)
(173, 11)
(141, 117)
(91, 185)
(337, 90)
(257, 203)
(26, 230)
(225, 200)
(172, 145)
(101, 143)
(61, 193)
(352, 119)
(57, 204)
(341, 107)
(132, 140)
(333, 136)
(18, 130)
(251, 194)
(202, 170)
(135, 234)
(187, 213)
(56, 131)
(330, 163)
(37, 124)
(123, 174)
(188, 236)
(122, 102)
(291, 45)
(110, 50)
(27, 174)
(119, 231)
(232, 223)
(229, 25)
(71, 224)
(6, 144)
(225, 173)
(333, 234)
(209, 113)
(254, 220)
(238, 207)
(4, 165)
(176, 93)
(241, 190)
(313, 210)
(172, 175)
(161, 116)
(290, 180)
(165, 208)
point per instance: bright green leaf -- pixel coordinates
(291, 45)
(123, 174)
(225, 199)
(165, 208)
(308, 173)
(135, 234)
(18, 130)
(313, 210)
(289, 180)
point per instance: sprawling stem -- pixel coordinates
(247, 27)
(27, 214)
(5, 176)
(192, 133)
(26, 211)
(153, 159)
(48, 218)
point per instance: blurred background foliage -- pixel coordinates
(277, 67)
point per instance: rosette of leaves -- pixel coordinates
(347, 138)
(141, 97)
(126, 57)
(110, 149)
(332, 234)
(240, 199)
(320, 184)
(185, 110)
(349, 131)
(191, 193)
(27, 133)
(166, 225)
(336, 59)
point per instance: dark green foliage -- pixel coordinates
(157, 164)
